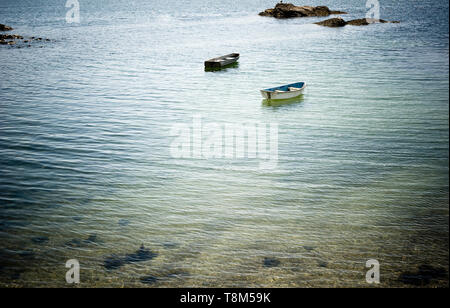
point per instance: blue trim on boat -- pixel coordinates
(286, 87)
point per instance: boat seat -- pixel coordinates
(293, 89)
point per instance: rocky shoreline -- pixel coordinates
(339, 22)
(5, 28)
(289, 10)
(281, 10)
(17, 40)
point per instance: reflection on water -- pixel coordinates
(223, 68)
(282, 102)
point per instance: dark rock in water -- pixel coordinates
(308, 248)
(40, 239)
(13, 39)
(339, 22)
(142, 254)
(124, 222)
(323, 263)
(424, 275)
(92, 238)
(149, 279)
(271, 262)
(10, 37)
(113, 262)
(74, 243)
(289, 10)
(368, 21)
(5, 28)
(332, 22)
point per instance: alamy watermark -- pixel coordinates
(229, 141)
(73, 14)
(373, 13)
(373, 274)
(73, 274)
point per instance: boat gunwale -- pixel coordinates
(272, 90)
(232, 55)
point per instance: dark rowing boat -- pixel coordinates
(222, 61)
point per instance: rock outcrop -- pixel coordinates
(339, 22)
(332, 22)
(289, 10)
(10, 37)
(5, 28)
(368, 21)
(19, 41)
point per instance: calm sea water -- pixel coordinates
(85, 136)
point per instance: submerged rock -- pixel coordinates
(339, 22)
(323, 263)
(10, 37)
(142, 254)
(424, 275)
(271, 262)
(5, 28)
(149, 279)
(308, 248)
(113, 262)
(289, 10)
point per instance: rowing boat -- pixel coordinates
(222, 61)
(284, 92)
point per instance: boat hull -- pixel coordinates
(273, 94)
(222, 61)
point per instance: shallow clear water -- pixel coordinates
(85, 136)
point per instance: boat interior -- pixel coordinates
(290, 87)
